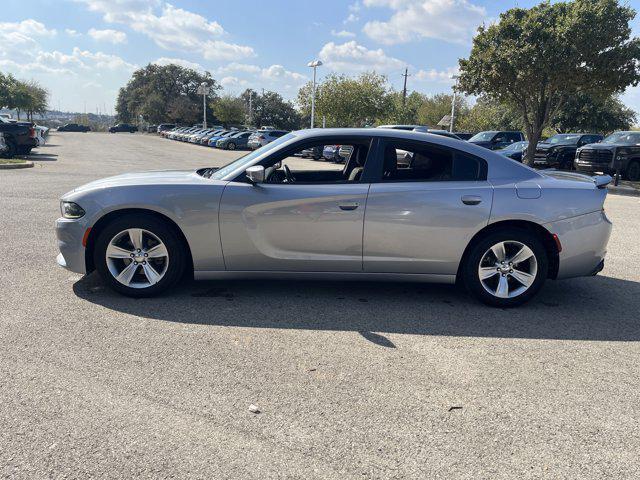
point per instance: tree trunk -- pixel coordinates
(534, 137)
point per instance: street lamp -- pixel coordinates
(203, 89)
(453, 102)
(314, 64)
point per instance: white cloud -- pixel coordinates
(71, 32)
(273, 73)
(351, 57)
(231, 82)
(450, 20)
(179, 61)
(108, 35)
(21, 36)
(433, 75)
(343, 34)
(170, 27)
(351, 18)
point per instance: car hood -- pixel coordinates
(599, 146)
(161, 177)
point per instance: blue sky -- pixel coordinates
(84, 50)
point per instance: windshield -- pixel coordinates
(516, 146)
(628, 138)
(482, 137)
(563, 139)
(246, 160)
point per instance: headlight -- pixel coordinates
(71, 210)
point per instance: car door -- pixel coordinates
(291, 226)
(420, 219)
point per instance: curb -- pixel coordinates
(625, 191)
(14, 166)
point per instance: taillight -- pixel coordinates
(261, 137)
(32, 132)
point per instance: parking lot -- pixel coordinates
(353, 380)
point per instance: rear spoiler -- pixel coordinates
(602, 181)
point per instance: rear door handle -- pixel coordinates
(348, 206)
(471, 199)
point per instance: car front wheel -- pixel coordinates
(506, 268)
(139, 256)
(231, 146)
(633, 171)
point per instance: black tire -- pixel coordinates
(476, 253)
(164, 231)
(24, 150)
(11, 151)
(633, 171)
(231, 146)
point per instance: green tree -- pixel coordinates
(162, 93)
(535, 59)
(270, 109)
(489, 114)
(347, 102)
(435, 107)
(230, 110)
(585, 112)
(402, 111)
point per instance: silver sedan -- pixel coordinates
(442, 211)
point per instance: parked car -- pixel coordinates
(344, 153)
(261, 217)
(559, 151)
(331, 153)
(464, 135)
(225, 133)
(195, 137)
(74, 127)
(313, 152)
(620, 150)
(495, 140)
(123, 127)
(205, 140)
(19, 137)
(163, 127)
(515, 151)
(41, 134)
(235, 141)
(263, 137)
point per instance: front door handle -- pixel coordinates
(471, 199)
(348, 206)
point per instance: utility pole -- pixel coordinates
(203, 89)
(314, 64)
(404, 89)
(453, 103)
(250, 107)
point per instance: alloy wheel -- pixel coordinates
(137, 258)
(508, 269)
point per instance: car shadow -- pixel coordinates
(597, 308)
(41, 157)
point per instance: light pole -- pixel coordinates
(314, 64)
(453, 103)
(203, 90)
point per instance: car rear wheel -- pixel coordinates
(506, 268)
(633, 171)
(231, 146)
(139, 256)
(11, 150)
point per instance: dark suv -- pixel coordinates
(559, 151)
(123, 127)
(619, 150)
(495, 140)
(74, 127)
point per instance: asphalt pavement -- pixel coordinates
(352, 380)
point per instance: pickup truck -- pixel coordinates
(74, 127)
(20, 137)
(620, 151)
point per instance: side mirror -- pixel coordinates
(255, 174)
